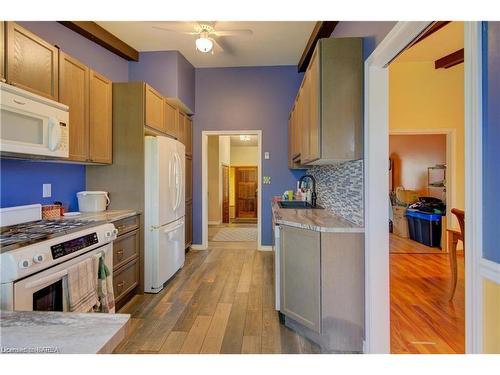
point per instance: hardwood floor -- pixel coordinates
(399, 245)
(422, 318)
(221, 301)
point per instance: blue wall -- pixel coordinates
(21, 181)
(247, 98)
(491, 140)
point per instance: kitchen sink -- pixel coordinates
(297, 205)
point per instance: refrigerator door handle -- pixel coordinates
(178, 181)
(178, 226)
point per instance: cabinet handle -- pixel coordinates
(120, 227)
(119, 253)
(120, 284)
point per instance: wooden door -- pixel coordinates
(32, 63)
(170, 119)
(225, 194)
(2, 51)
(100, 125)
(246, 192)
(154, 110)
(300, 273)
(189, 223)
(313, 108)
(74, 92)
(188, 135)
(189, 178)
(181, 127)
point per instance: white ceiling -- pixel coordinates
(272, 43)
(237, 142)
(448, 39)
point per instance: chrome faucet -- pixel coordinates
(313, 194)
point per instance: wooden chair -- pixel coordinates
(453, 237)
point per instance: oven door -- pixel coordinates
(46, 290)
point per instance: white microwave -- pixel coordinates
(31, 125)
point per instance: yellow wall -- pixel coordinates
(491, 317)
(421, 97)
(244, 156)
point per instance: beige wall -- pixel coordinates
(412, 154)
(214, 213)
(245, 156)
(491, 317)
(424, 98)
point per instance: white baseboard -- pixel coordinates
(265, 248)
(214, 222)
(198, 247)
(489, 270)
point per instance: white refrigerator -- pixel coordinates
(164, 211)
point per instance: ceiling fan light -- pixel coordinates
(204, 44)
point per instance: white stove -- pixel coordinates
(34, 255)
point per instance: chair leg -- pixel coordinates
(452, 249)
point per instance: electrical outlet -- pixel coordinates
(267, 180)
(266, 155)
(46, 190)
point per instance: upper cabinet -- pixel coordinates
(188, 135)
(101, 120)
(2, 51)
(171, 119)
(326, 122)
(154, 110)
(181, 128)
(31, 63)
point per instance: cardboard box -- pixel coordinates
(399, 221)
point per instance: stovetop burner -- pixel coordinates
(25, 234)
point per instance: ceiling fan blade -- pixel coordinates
(240, 32)
(175, 31)
(221, 45)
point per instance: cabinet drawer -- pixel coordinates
(125, 248)
(126, 225)
(125, 279)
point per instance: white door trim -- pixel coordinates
(376, 178)
(204, 183)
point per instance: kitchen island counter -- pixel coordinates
(61, 332)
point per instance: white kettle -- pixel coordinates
(92, 201)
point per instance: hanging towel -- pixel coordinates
(105, 288)
(82, 287)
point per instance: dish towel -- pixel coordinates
(105, 287)
(82, 287)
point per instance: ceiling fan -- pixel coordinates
(208, 36)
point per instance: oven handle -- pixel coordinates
(48, 279)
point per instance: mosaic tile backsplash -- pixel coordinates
(340, 189)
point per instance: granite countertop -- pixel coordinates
(320, 220)
(108, 215)
(61, 332)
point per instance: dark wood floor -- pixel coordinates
(222, 301)
(423, 320)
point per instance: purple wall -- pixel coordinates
(491, 136)
(21, 181)
(167, 71)
(247, 98)
(373, 32)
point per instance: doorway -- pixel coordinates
(231, 180)
(376, 151)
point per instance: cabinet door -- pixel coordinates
(188, 135)
(304, 118)
(290, 141)
(189, 223)
(300, 273)
(313, 108)
(189, 178)
(170, 119)
(2, 51)
(32, 63)
(101, 122)
(74, 92)
(181, 129)
(154, 110)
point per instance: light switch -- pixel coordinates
(267, 180)
(47, 190)
(266, 155)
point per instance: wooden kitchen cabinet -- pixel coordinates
(32, 63)
(171, 119)
(2, 51)
(74, 92)
(181, 127)
(189, 223)
(101, 119)
(327, 114)
(300, 272)
(189, 178)
(188, 135)
(155, 110)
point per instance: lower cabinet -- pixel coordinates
(189, 223)
(322, 286)
(300, 271)
(126, 260)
